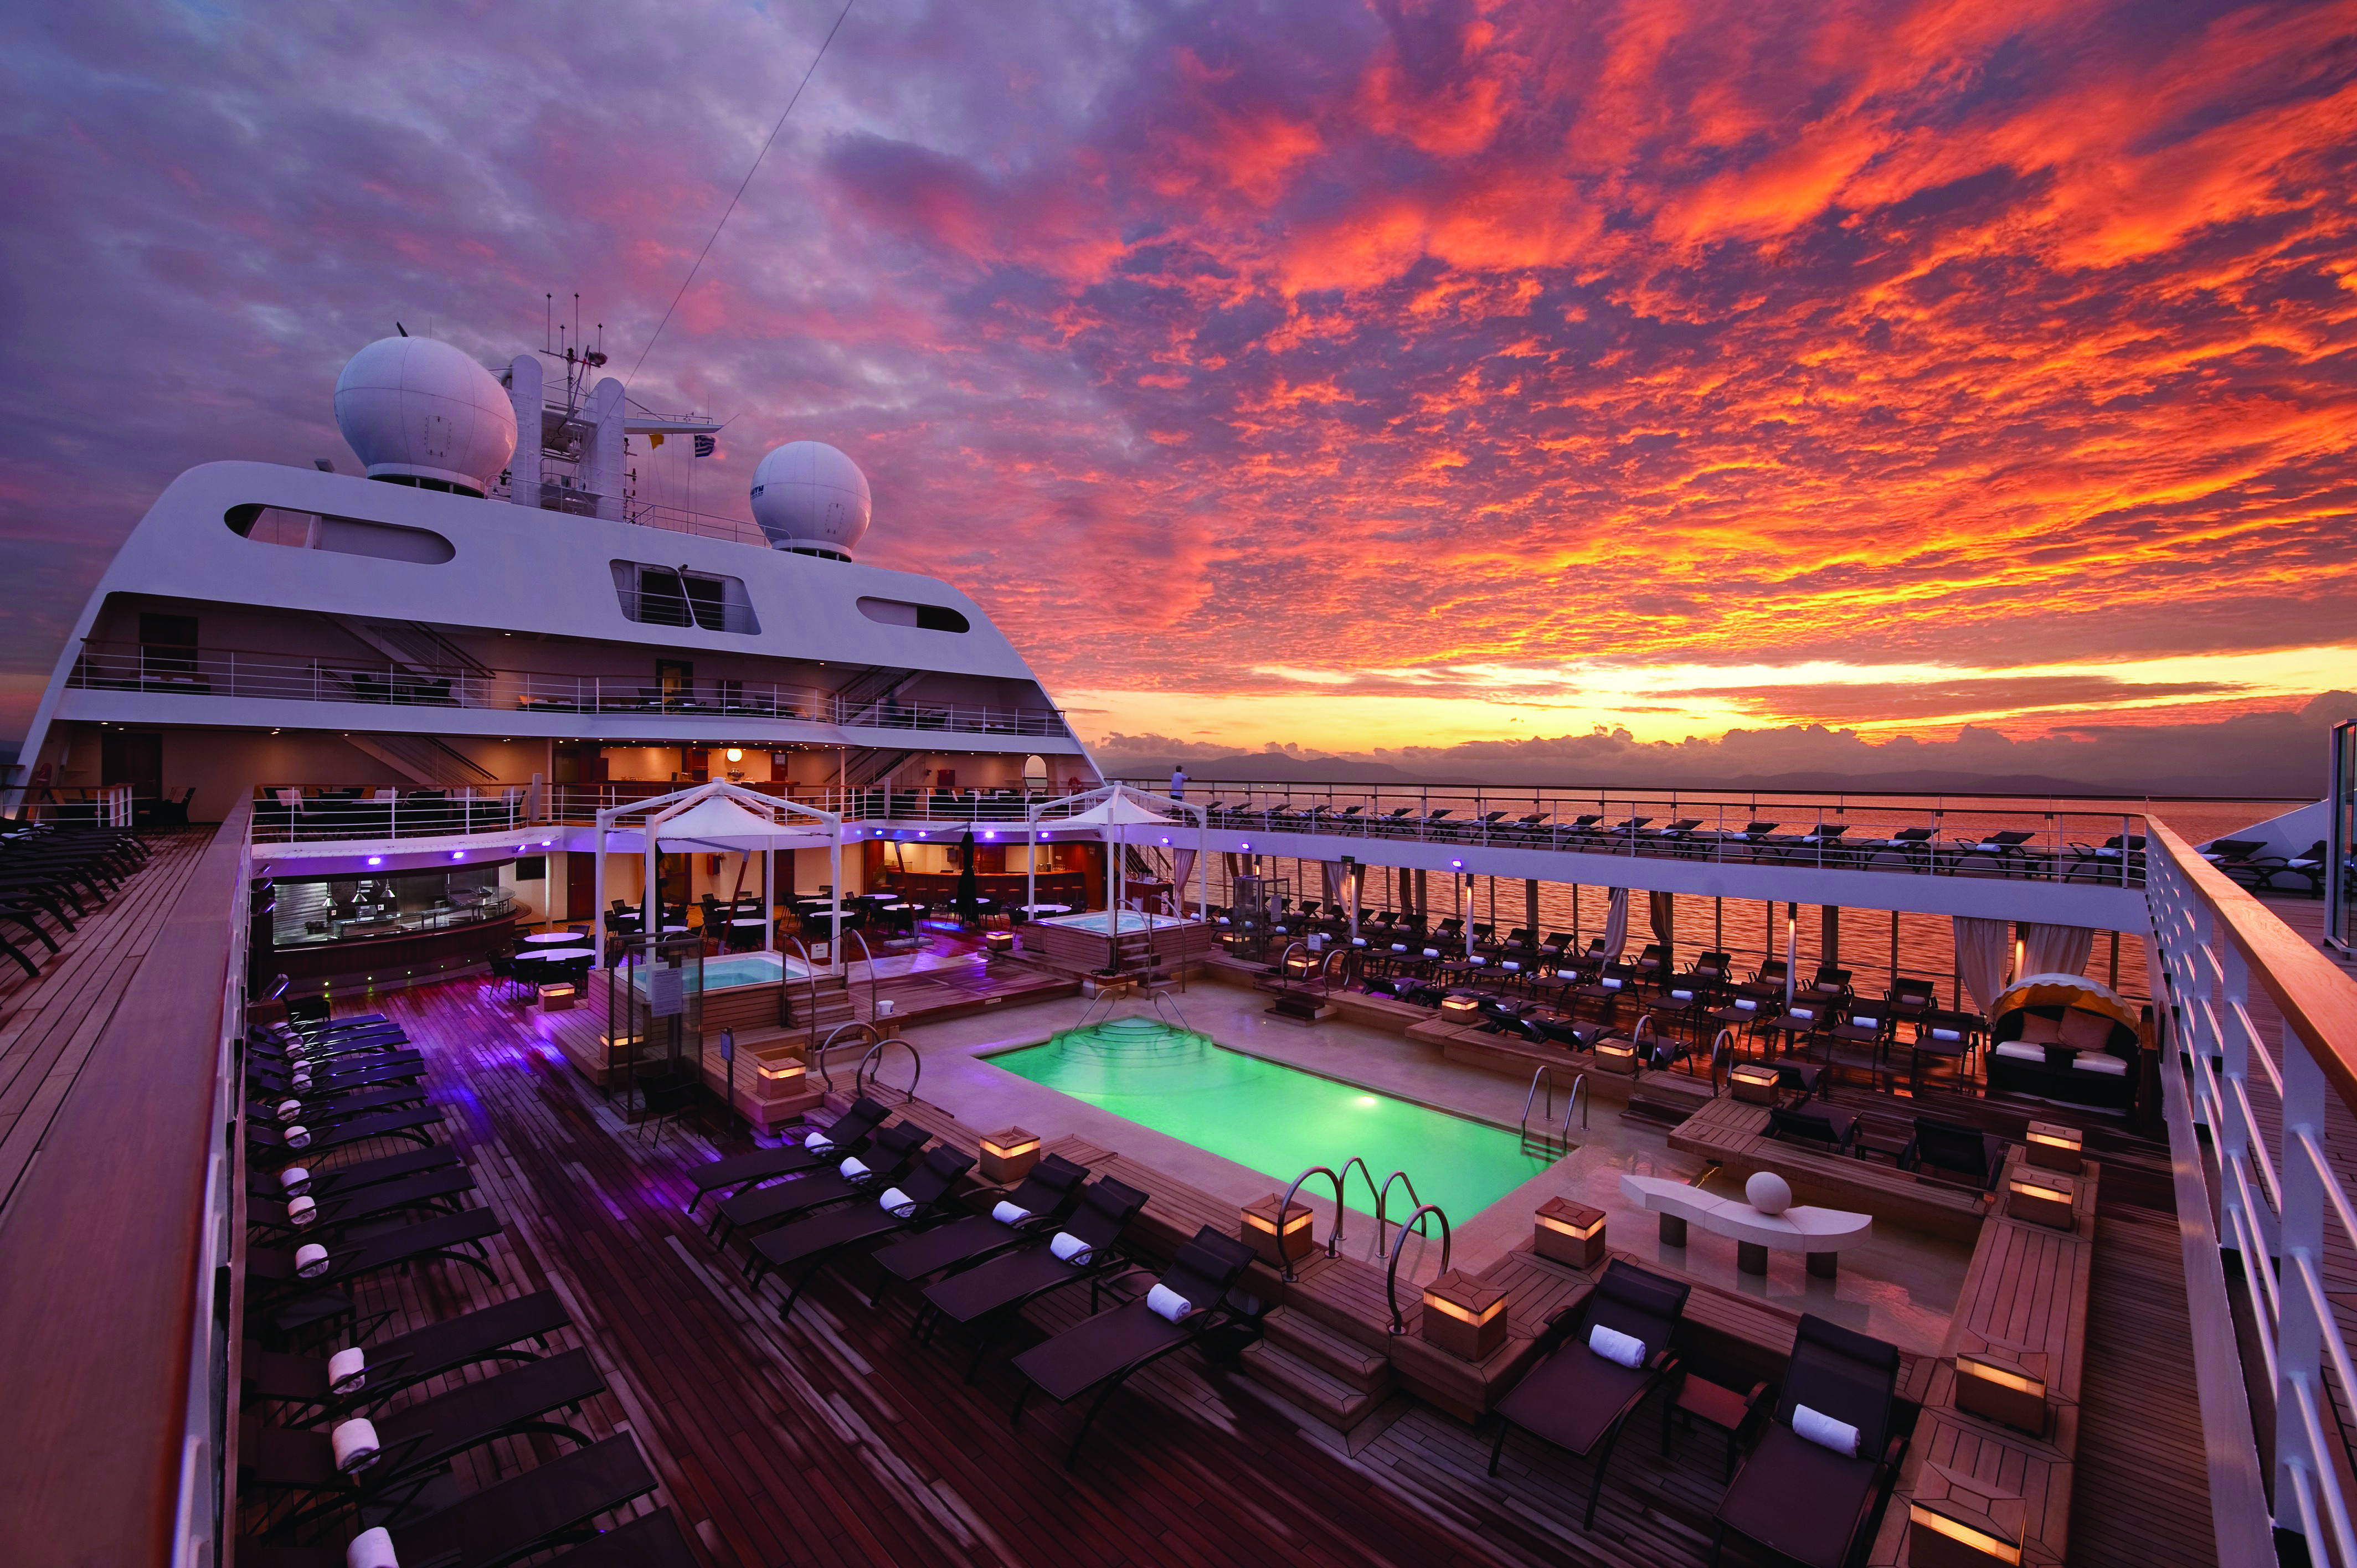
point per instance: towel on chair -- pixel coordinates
(371, 1549)
(896, 1202)
(1823, 1431)
(1614, 1346)
(818, 1143)
(289, 1108)
(1164, 1302)
(348, 1370)
(355, 1445)
(295, 1181)
(852, 1169)
(310, 1260)
(298, 1136)
(302, 1211)
(1071, 1249)
(1007, 1214)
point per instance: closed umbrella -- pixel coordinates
(968, 893)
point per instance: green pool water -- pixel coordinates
(1277, 1120)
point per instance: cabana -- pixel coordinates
(720, 817)
(2066, 1037)
(1110, 809)
(1130, 939)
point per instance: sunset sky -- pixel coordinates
(1357, 377)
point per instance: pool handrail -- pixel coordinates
(1638, 1035)
(1285, 1207)
(1368, 1178)
(917, 1063)
(1390, 1271)
(819, 1052)
(1543, 1075)
(1579, 1101)
(1724, 1041)
(1382, 1196)
(870, 954)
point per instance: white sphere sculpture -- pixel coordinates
(809, 497)
(1769, 1193)
(419, 410)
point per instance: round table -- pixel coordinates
(1036, 910)
(554, 939)
(554, 955)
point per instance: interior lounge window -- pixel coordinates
(339, 535)
(902, 612)
(670, 596)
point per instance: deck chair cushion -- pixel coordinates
(2085, 1031)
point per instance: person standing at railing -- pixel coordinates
(1177, 782)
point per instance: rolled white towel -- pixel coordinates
(1611, 982)
(818, 1143)
(1614, 1346)
(1680, 996)
(295, 1181)
(355, 1445)
(1008, 1214)
(348, 1370)
(1069, 1249)
(1164, 1302)
(1823, 1431)
(289, 1108)
(302, 1077)
(371, 1549)
(853, 1168)
(1432, 952)
(896, 1202)
(298, 1136)
(297, 1049)
(1946, 1034)
(301, 1211)
(1746, 1004)
(310, 1260)
(1866, 1020)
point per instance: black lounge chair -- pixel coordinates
(1579, 1399)
(272, 1271)
(1101, 1352)
(1801, 1499)
(2311, 864)
(1954, 1151)
(2236, 858)
(435, 1191)
(495, 1333)
(816, 1242)
(320, 1111)
(992, 1292)
(1047, 1195)
(544, 1507)
(268, 1146)
(890, 1155)
(397, 1066)
(345, 1179)
(1818, 1123)
(422, 1436)
(848, 1135)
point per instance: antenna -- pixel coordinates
(397, 327)
(547, 321)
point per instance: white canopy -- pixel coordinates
(1112, 807)
(717, 823)
(721, 816)
(1122, 809)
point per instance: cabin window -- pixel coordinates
(672, 595)
(339, 535)
(903, 612)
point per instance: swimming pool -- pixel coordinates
(1131, 920)
(1276, 1119)
(733, 970)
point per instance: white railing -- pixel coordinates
(2278, 1190)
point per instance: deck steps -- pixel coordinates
(828, 1003)
(1334, 1378)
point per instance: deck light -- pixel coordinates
(2001, 1390)
(1952, 1533)
(458, 854)
(1455, 865)
(780, 1065)
(556, 998)
(1247, 844)
(1754, 1083)
(376, 860)
(1616, 1056)
(1464, 1316)
(2043, 1198)
(1008, 1156)
(2056, 1148)
(1260, 1229)
(1569, 1232)
(545, 843)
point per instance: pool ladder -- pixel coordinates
(1554, 1141)
(1382, 1196)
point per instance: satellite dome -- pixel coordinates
(809, 497)
(419, 412)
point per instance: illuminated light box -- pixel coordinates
(1616, 1056)
(1754, 1083)
(2054, 1148)
(1569, 1232)
(1952, 1533)
(1463, 1317)
(997, 944)
(781, 1067)
(2002, 1390)
(1260, 1229)
(1008, 1156)
(556, 998)
(2043, 1198)
(1458, 1005)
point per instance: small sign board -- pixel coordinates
(666, 991)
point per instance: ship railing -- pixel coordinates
(2260, 1038)
(1944, 835)
(295, 814)
(284, 677)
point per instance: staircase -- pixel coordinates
(413, 645)
(860, 701)
(873, 768)
(1335, 1378)
(423, 758)
(831, 1006)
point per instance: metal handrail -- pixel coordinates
(1368, 1178)
(1722, 1045)
(1390, 1271)
(1579, 1101)
(819, 1052)
(1542, 1076)
(1285, 1207)
(859, 1075)
(1384, 1196)
(868, 953)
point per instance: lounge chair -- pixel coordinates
(889, 1155)
(422, 1436)
(402, 1067)
(924, 1200)
(435, 1191)
(2238, 858)
(1578, 1397)
(494, 1332)
(848, 1135)
(274, 1271)
(268, 1146)
(320, 1185)
(1047, 1194)
(1807, 1501)
(1819, 1123)
(992, 1292)
(1953, 1151)
(2313, 864)
(544, 1507)
(1101, 1352)
(320, 1110)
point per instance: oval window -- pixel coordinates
(924, 618)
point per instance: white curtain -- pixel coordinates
(1982, 949)
(2054, 950)
(1616, 924)
(1183, 866)
(1336, 889)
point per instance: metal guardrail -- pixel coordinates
(1391, 1268)
(2277, 1192)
